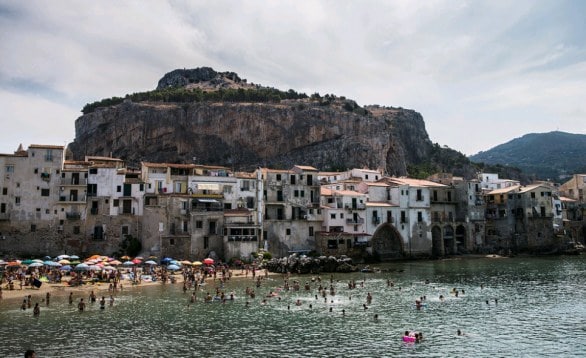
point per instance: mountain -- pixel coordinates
(552, 155)
(217, 118)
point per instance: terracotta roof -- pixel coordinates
(105, 159)
(513, 188)
(413, 182)
(375, 184)
(563, 198)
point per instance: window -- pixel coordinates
(419, 195)
(47, 211)
(366, 176)
(199, 224)
(4, 191)
(125, 230)
(532, 195)
(38, 210)
(172, 242)
(36, 170)
(341, 215)
(17, 200)
(403, 217)
(278, 177)
(141, 187)
(93, 170)
(206, 242)
(303, 193)
(293, 179)
(45, 192)
(49, 155)
(332, 216)
(288, 232)
(118, 188)
(76, 230)
(296, 193)
(419, 216)
(10, 169)
(33, 227)
(3, 208)
(115, 203)
(227, 189)
(311, 231)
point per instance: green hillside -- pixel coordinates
(552, 155)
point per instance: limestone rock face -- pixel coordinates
(247, 135)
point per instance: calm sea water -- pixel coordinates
(541, 312)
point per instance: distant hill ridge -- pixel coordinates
(552, 155)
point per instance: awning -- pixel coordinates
(208, 186)
(207, 200)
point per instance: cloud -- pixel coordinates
(507, 67)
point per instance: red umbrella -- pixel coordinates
(137, 261)
(208, 261)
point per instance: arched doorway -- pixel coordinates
(387, 243)
(437, 248)
(461, 241)
(449, 247)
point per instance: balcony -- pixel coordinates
(242, 238)
(376, 220)
(73, 216)
(356, 221)
(73, 182)
(355, 206)
(72, 199)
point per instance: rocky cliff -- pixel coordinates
(218, 118)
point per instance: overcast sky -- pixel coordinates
(480, 72)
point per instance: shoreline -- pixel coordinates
(60, 290)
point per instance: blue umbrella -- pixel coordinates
(52, 263)
(65, 268)
(82, 267)
(35, 264)
(166, 260)
(173, 267)
(74, 257)
(128, 263)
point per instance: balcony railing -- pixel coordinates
(376, 220)
(72, 181)
(78, 199)
(355, 207)
(356, 221)
(242, 238)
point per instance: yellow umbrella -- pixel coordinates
(64, 262)
(186, 262)
(196, 263)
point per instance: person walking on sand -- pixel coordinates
(70, 298)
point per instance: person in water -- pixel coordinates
(36, 310)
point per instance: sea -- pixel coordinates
(504, 307)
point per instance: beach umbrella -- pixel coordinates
(166, 260)
(2, 262)
(208, 261)
(52, 263)
(110, 268)
(94, 268)
(35, 264)
(137, 261)
(139, 258)
(82, 267)
(125, 257)
(61, 257)
(186, 262)
(75, 262)
(27, 262)
(150, 262)
(47, 258)
(128, 263)
(64, 262)
(65, 268)
(115, 262)
(173, 267)
(174, 262)
(196, 263)
(74, 257)
(38, 260)
(13, 263)
(93, 257)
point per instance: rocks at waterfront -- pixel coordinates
(302, 264)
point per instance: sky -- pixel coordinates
(481, 73)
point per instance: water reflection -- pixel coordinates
(540, 312)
